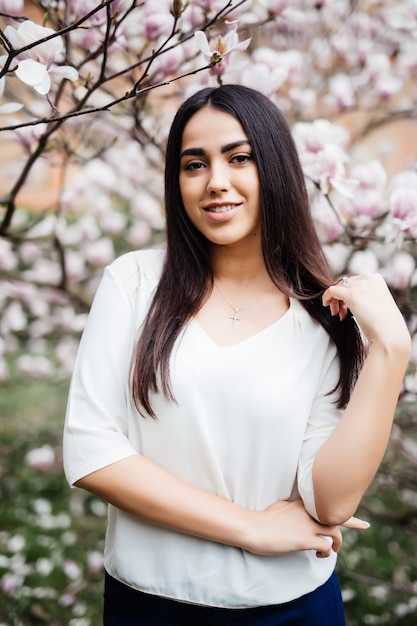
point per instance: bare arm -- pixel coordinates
(144, 489)
(347, 462)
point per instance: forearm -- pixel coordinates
(346, 464)
(144, 489)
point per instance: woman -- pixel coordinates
(219, 402)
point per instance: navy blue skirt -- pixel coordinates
(124, 606)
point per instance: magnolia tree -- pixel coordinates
(87, 91)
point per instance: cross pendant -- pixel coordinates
(235, 318)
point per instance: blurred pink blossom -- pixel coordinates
(95, 562)
(36, 366)
(337, 254)
(11, 7)
(262, 78)
(327, 223)
(369, 196)
(71, 569)
(8, 258)
(13, 318)
(363, 262)
(277, 7)
(341, 91)
(139, 234)
(314, 136)
(290, 62)
(157, 20)
(168, 62)
(10, 582)
(403, 203)
(400, 270)
(370, 175)
(41, 459)
(100, 252)
(28, 136)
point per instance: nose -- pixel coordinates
(219, 181)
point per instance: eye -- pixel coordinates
(193, 166)
(241, 158)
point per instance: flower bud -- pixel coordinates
(177, 8)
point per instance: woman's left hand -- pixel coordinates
(371, 303)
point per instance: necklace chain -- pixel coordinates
(235, 309)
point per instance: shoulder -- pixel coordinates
(312, 333)
(137, 267)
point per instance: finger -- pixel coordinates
(334, 293)
(337, 307)
(356, 523)
(323, 549)
(333, 540)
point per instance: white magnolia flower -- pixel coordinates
(38, 65)
(219, 52)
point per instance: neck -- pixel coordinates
(231, 265)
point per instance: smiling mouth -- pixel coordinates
(220, 209)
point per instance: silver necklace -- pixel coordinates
(235, 309)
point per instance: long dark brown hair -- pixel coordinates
(291, 248)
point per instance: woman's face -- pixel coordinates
(219, 179)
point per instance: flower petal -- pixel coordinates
(202, 43)
(44, 86)
(31, 72)
(10, 107)
(242, 45)
(30, 32)
(14, 37)
(64, 71)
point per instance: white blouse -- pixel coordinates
(247, 425)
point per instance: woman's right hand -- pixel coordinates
(287, 527)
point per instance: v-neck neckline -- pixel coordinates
(241, 342)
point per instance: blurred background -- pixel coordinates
(87, 93)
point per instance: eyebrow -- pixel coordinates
(226, 148)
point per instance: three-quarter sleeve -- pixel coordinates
(95, 432)
(323, 418)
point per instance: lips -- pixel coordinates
(220, 208)
(221, 212)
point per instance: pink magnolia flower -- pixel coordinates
(321, 145)
(337, 254)
(11, 7)
(37, 66)
(276, 7)
(312, 137)
(369, 196)
(221, 49)
(363, 262)
(403, 203)
(259, 76)
(341, 91)
(328, 225)
(400, 271)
